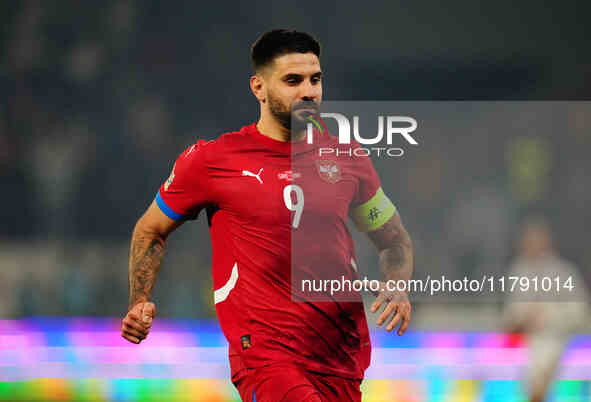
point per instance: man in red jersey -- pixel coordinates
(267, 191)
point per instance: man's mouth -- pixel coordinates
(306, 108)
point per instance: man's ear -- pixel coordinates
(257, 86)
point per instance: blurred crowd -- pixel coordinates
(99, 99)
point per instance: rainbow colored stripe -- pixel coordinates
(86, 359)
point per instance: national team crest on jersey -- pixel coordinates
(170, 179)
(328, 170)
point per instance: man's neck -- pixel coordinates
(273, 129)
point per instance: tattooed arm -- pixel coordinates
(147, 249)
(396, 263)
(394, 248)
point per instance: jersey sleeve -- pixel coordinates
(186, 191)
(371, 207)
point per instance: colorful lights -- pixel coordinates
(86, 359)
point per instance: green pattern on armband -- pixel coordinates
(373, 213)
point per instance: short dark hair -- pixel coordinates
(279, 42)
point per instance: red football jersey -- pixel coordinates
(274, 207)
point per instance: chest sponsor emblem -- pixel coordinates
(329, 170)
(288, 175)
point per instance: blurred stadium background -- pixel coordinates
(98, 98)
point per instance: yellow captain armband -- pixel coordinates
(373, 213)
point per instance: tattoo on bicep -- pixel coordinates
(385, 235)
(390, 233)
(145, 258)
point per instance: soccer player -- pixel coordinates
(547, 324)
(267, 191)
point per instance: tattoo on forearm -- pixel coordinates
(393, 257)
(396, 252)
(144, 262)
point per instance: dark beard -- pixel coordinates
(283, 116)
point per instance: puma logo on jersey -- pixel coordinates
(258, 175)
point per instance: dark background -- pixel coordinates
(98, 99)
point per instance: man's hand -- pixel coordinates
(138, 321)
(396, 264)
(147, 249)
(396, 303)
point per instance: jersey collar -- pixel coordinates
(285, 147)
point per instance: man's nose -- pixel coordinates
(310, 92)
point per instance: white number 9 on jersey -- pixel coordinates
(297, 206)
